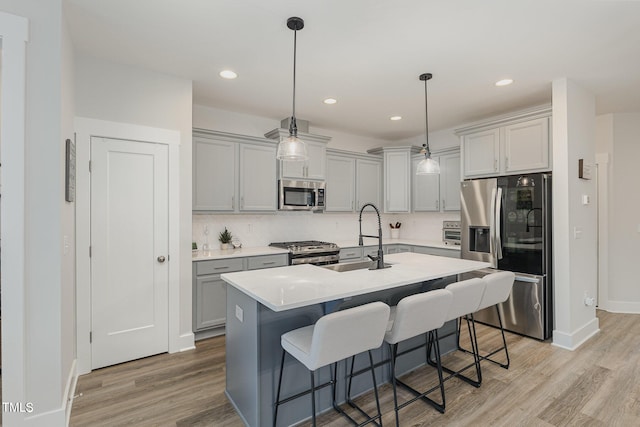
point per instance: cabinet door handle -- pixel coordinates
(224, 267)
(233, 203)
(506, 161)
(444, 206)
(241, 202)
(495, 165)
(437, 204)
(268, 263)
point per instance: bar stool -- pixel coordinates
(466, 299)
(416, 315)
(497, 290)
(334, 337)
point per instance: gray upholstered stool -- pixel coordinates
(467, 295)
(416, 315)
(497, 290)
(335, 337)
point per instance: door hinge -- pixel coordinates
(90, 337)
(89, 165)
(89, 251)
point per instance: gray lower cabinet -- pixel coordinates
(210, 292)
(451, 253)
(396, 249)
(350, 254)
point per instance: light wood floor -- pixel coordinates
(596, 385)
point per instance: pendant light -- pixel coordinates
(292, 148)
(427, 165)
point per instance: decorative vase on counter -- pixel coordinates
(395, 233)
(224, 246)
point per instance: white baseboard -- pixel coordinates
(186, 342)
(70, 390)
(620, 307)
(575, 339)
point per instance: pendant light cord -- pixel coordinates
(293, 126)
(426, 117)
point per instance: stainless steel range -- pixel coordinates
(310, 252)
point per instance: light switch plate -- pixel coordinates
(577, 232)
(239, 313)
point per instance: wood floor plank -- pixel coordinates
(596, 385)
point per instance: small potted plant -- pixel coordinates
(225, 239)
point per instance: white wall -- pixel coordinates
(49, 341)
(618, 137)
(245, 124)
(260, 230)
(575, 256)
(120, 93)
(68, 218)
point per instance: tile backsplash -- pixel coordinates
(260, 230)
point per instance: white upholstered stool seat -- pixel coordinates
(334, 337)
(467, 295)
(417, 315)
(497, 290)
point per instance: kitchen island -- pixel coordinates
(264, 304)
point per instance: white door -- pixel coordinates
(129, 250)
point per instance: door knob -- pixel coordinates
(161, 258)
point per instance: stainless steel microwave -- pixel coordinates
(300, 195)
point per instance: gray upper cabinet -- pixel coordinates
(214, 175)
(340, 191)
(368, 182)
(353, 179)
(233, 173)
(507, 145)
(258, 190)
(438, 192)
(397, 177)
(450, 181)
(315, 167)
(426, 189)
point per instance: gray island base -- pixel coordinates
(258, 314)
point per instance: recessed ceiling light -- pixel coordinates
(228, 74)
(395, 118)
(330, 101)
(504, 82)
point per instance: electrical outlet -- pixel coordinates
(588, 301)
(239, 314)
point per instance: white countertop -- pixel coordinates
(201, 255)
(285, 288)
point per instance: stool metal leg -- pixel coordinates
(313, 397)
(275, 411)
(476, 360)
(394, 354)
(497, 350)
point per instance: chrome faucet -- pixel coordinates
(380, 258)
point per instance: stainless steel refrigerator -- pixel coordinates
(507, 221)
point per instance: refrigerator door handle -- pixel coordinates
(492, 229)
(497, 216)
(527, 279)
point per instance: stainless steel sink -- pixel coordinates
(350, 266)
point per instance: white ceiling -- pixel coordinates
(368, 55)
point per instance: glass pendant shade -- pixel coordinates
(292, 148)
(427, 166)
